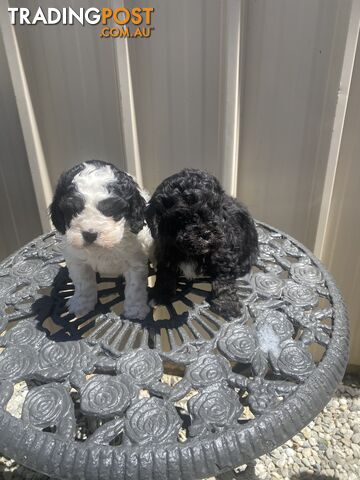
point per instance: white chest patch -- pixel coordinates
(188, 269)
(131, 252)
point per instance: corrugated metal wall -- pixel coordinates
(177, 89)
(73, 85)
(288, 109)
(185, 80)
(19, 217)
(343, 235)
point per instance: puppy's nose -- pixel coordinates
(89, 237)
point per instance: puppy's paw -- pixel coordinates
(227, 304)
(161, 296)
(226, 309)
(136, 311)
(81, 304)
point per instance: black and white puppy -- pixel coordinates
(100, 210)
(200, 230)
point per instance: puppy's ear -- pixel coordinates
(64, 189)
(136, 216)
(150, 216)
(56, 215)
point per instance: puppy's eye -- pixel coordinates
(112, 207)
(71, 206)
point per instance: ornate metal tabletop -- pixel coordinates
(183, 394)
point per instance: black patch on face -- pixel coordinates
(114, 207)
(71, 206)
(124, 199)
(131, 204)
(67, 201)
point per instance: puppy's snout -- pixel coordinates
(89, 237)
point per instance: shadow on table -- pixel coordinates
(51, 313)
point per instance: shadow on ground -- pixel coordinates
(249, 474)
(10, 471)
(312, 476)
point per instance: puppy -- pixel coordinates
(100, 211)
(199, 230)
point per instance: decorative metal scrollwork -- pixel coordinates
(183, 373)
(106, 397)
(50, 405)
(151, 421)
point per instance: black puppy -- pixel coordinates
(200, 230)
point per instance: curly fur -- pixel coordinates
(200, 230)
(100, 211)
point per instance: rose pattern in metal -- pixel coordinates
(294, 361)
(144, 367)
(216, 408)
(23, 333)
(17, 363)
(106, 397)
(238, 343)
(151, 421)
(56, 360)
(50, 405)
(98, 401)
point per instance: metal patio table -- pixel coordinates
(184, 394)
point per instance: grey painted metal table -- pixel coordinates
(184, 394)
